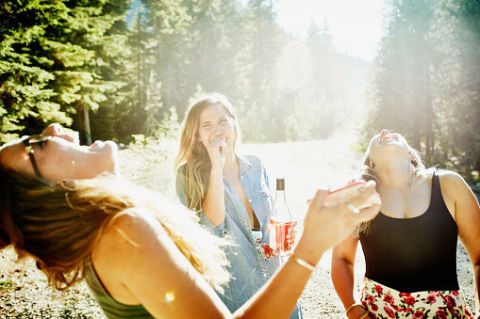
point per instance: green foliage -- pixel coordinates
(402, 76)
(427, 81)
(56, 59)
(73, 61)
(237, 48)
(457, 76)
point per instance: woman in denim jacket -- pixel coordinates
(230, 192)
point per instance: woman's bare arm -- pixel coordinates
(343, 274)
(467, 217)
(343, 265)
(148, 265)
(214, 202)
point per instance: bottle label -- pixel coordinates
(279, 230)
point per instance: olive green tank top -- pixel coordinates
(112, 308)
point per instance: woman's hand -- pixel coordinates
(217, 152)
(214, 202)
(324, 227)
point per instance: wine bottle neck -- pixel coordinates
(280, 206)
(280, 194)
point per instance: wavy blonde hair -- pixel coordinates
(59, 224)
(192, 164)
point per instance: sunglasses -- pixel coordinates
(29, 142)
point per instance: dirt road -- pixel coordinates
(305, 165)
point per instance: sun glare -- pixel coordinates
(293, 68)
(355, 25)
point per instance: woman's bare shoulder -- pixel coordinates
(450, 179)
(128, 233)
(134, 225)
(454, 186)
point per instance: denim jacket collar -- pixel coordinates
(244, 164)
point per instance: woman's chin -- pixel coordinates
(112, 145)
(115, 163)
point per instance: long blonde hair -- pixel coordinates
(58, 224)
(192, 164)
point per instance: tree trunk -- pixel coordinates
(86, 126)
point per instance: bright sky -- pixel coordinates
(356, 25)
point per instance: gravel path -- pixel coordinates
(305, 165)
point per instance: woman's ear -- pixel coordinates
(371, 164)
(413, 160)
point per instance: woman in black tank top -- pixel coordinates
(410, 247)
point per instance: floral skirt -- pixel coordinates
(384, 302)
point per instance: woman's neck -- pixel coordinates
(396, 175)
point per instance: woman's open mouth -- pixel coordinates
(387, 137)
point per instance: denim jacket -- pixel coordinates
(248, 268)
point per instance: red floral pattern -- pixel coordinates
(386, 303)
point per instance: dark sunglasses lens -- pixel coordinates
(39, 140)
(25, 140)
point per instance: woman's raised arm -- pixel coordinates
(137, 250)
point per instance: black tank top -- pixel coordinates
(413, 254)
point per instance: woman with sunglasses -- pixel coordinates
(142, 256)
(57, 153)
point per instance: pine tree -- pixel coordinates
(402, 91)
(456, 42)
(58, 59)
(28, 57)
